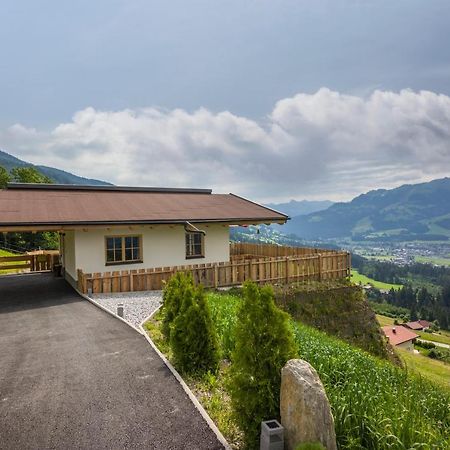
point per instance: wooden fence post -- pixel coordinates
(216, 275)
(286, 259)
(320, 267)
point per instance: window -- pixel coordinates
(194, 245)
(123, 249)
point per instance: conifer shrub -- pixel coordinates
(193, 337)
(264, 343)
(180, 286)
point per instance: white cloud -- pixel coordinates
(322, 145)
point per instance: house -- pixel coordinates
(111, 228)
(400, 336)
(418, 325)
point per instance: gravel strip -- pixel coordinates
(136, 305)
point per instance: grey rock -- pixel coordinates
(305, 410)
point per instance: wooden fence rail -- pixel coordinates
(31, 262)
(329, 265)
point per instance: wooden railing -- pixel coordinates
(326, 265)
(28, 262)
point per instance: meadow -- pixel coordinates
(359, 278)
(6, 253)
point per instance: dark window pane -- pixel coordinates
(118, 242)
(109, 243)
(128, 242)
(118, 254)
(135, 241)
(136, 254)
(110, 255)
(128, 254)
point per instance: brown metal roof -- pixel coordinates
(23, 205)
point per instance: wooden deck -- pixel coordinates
(258, 262)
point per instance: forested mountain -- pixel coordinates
(409, 212)
(58, 176)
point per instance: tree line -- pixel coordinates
(425, 292)
(20, 242)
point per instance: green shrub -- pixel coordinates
(264, 342)
(179, 286)
(193, 337)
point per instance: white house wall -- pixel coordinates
(161, 246)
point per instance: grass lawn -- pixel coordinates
(358, 278)
(383, 320)
(6, 253)
(433, 260)
(443, 336)
(432, 369)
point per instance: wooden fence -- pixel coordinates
(326, 265)
(28, 262)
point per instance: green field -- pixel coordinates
(358, 278)
(6, 253)
(433, 260)
(433, 369)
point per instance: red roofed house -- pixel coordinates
(418, 325)
(400, 336)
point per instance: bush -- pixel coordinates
(193, 337)
(179, 286)
(264, 341)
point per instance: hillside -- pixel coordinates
(409, 212)
(299, 208)
(59, 176)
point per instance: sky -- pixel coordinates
(270, 99)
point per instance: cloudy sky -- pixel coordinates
(271, 99)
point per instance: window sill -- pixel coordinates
(195, 257)
(122, 263)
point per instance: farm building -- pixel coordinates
(418, 325)
(400, 336)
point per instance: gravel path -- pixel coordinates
(136, 305)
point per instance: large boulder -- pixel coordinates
(305, 410)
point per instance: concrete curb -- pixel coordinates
(98, 305)
(180, 380)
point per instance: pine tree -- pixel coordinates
(193, 338)
(264, 343)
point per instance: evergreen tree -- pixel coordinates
(193, 338)
(179, 288)
(264, 343)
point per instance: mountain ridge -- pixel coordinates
(9, 161)
(409, 212)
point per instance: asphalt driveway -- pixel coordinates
(72, 376)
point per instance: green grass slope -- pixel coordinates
(375, 404)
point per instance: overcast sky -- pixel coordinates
(271, 99)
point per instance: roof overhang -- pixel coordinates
(37, 227)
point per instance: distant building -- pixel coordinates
(400, 336)
(418, 325)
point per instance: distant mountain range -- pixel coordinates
(298, 208)
(58, 176)
(409, 212)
